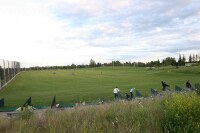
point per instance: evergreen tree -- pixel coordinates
(92, 63)
(183, 60)
(193, 58)
(190, 58)
(179, 60)
(196, 57)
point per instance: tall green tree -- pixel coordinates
(197, 57)
(190, 58)
(92, 63)
(169, 61)
(193, 58)
(183, 60)
(179, 60)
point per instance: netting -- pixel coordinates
(8, 69)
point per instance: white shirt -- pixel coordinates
(132, 89)
(116, 90)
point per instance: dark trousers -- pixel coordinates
(116, 95)
(131, 93)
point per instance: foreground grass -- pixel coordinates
(176, 113)
(122, 117)
(90, 84)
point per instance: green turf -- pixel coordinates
(90, 84)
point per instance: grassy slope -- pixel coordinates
(90, 84)
(174, 113)
(138, 116)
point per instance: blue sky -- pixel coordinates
(62, 32)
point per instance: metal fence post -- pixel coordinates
(14, 68)
(8, 72)
(4, 72)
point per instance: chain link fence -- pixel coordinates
(8, 70)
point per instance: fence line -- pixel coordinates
(8, 70)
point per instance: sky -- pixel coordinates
(62, 32)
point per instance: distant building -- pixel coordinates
(189, 64)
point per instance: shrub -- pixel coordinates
(182, 113)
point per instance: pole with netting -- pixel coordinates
(14, 67)
(4, 72)
(8, 71)
(19, 67)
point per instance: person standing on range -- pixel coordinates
(165, 86)
(116, 92)
(188, 86)
(131, 92)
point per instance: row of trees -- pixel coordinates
(194, 58)
(165, 62)
(169, 61)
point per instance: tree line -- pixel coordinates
(168, 61)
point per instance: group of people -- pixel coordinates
(117, 95)
(165, 87)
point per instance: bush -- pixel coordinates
(182, 113)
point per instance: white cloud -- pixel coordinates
(61, 32)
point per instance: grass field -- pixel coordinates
(90, 84)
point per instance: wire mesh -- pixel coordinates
(8, 70)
